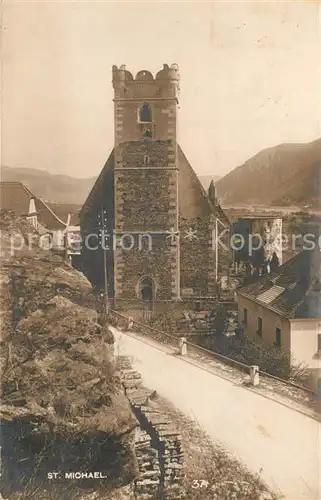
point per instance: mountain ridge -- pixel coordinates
(286, 174)
(62, 188)
(54, 188)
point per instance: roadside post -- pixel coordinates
(254, 375)
(183, 346)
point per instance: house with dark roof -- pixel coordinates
(284, 308)
(15, 196)
(148, 207)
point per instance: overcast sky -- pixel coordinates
(250, 77)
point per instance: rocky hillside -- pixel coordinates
(289, 174)
(62, 406)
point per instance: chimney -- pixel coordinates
(32, 216)
(32, 207)
(212, 194)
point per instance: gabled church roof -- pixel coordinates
(105, 178)
(193, 199)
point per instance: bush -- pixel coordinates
(270, 358)
(168, 321)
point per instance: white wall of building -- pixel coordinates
(300, 336)
(304, 341)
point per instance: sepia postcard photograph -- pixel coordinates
(160, 250)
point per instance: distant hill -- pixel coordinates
(288, 174)
(52, 187)
(62, 188)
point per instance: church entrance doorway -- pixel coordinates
(147, 292)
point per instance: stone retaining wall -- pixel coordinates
(147, 486)
(158, 443)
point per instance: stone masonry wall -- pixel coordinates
(128, 128)
(146, 194)
(145, 199)
(157, 262)
(197, 256)
(146, 203)
(160, 93)
(160, 153)
(158, 443)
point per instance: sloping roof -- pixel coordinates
(47, 216)
(106, 174)
(253, 213)
(271, 294)
(294, 290)
(16, 196)
(74, 219)
(62, 210)
(193, 199)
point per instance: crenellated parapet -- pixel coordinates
(165, 81)
(167, 73)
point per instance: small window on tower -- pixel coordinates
(146, 160)
(145, 113)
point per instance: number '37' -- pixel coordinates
(199, 483)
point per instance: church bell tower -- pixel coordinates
(147, 254)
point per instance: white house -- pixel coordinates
(284, 308)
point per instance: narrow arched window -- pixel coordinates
(147, 287)
(145, 113)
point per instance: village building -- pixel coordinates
(284, 308)
(70, 213)
(56, 232)
(148, 207)
(257, 240)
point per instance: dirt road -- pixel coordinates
(262, 433)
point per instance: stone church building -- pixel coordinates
(147, 208)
